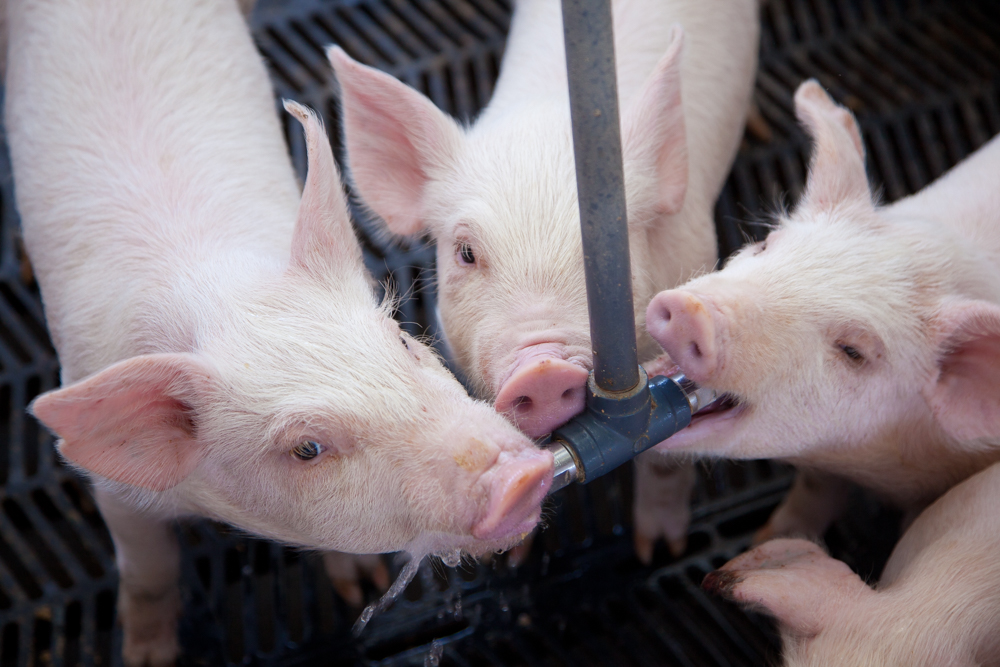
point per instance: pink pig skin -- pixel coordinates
(499, 198)
(936, 605)
(209, 320)
(857, 340)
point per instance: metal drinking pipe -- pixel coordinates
(626, 412)
(600, 184)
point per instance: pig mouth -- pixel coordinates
(710, 428)
(723, 403)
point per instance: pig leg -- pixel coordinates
(815, 501)
(757, 125)
(346, 571)
(662, 505)
(149, 600)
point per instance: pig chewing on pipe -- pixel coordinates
(857, 340)
(223, 352)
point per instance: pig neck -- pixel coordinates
(720, 58)
(909, 464)
(133, 137)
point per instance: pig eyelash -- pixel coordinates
(464, 254)
(409, 348)
(307, 450)
(852, 353)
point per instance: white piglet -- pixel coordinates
(937, 603)
(223, 351)
(499, 198)
(857, 340)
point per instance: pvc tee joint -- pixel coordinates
(618, 426)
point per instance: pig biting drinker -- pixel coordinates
(626, 412)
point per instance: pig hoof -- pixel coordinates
(643, 548)
(720, 583)
(645, 544)
(677, 545)
(765, 533)
(785, 524)
(347, 571)
(519, 554)
(149, 628)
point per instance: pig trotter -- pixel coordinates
(149, 602)
(149, 626)
(815, 501)
(663, 486)
(519, 554)
(719, 582)
(347, 571)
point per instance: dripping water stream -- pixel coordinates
(402, 581)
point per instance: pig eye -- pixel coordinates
(852, 353)
(761, 247)
(402, 339)
(464, 253)
(307, 450)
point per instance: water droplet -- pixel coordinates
(402, 581)
(452, 559)
(433, 658)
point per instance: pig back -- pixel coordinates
(720, 59)
(966, 200)
(145, 148)
(944, 570)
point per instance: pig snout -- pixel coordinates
(683, 326)
(542, 393)
(515, 490)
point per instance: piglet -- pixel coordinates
(223, 351)
(936, 605)
(499, 198)
(857, 340)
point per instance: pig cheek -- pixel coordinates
(464, 312)
(445, 496)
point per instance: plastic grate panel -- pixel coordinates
(922, 78)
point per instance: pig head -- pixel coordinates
(855, 338)
(304, 414)
(500, 200)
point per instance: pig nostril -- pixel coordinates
(695, 351)
(522, 404)
(568, 394)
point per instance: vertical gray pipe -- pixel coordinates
(600, 183)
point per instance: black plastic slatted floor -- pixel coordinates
(923, 79)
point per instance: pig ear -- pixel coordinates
(965, 396)
(653, 131)
(837, 171)
(135, 422)
(396, 139)
(792, 580)
(323, 236)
